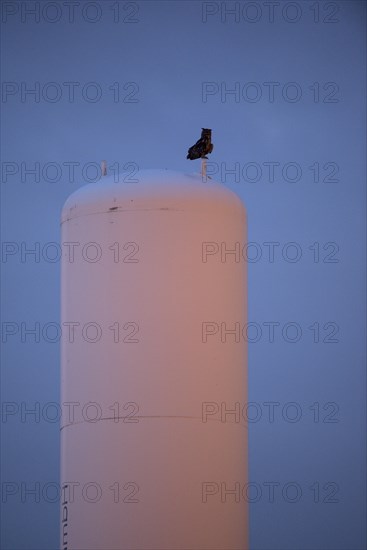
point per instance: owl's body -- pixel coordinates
(202, 147)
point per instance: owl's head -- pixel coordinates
(206, 132)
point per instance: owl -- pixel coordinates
(202, 147)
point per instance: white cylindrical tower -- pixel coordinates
(153, 366)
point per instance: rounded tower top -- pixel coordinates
(154, 189)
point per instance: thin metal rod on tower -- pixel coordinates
(203, 168)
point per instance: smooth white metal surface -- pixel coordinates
(153, 446)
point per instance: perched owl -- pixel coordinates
(202, 147)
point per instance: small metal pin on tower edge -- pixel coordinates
(104, 168)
